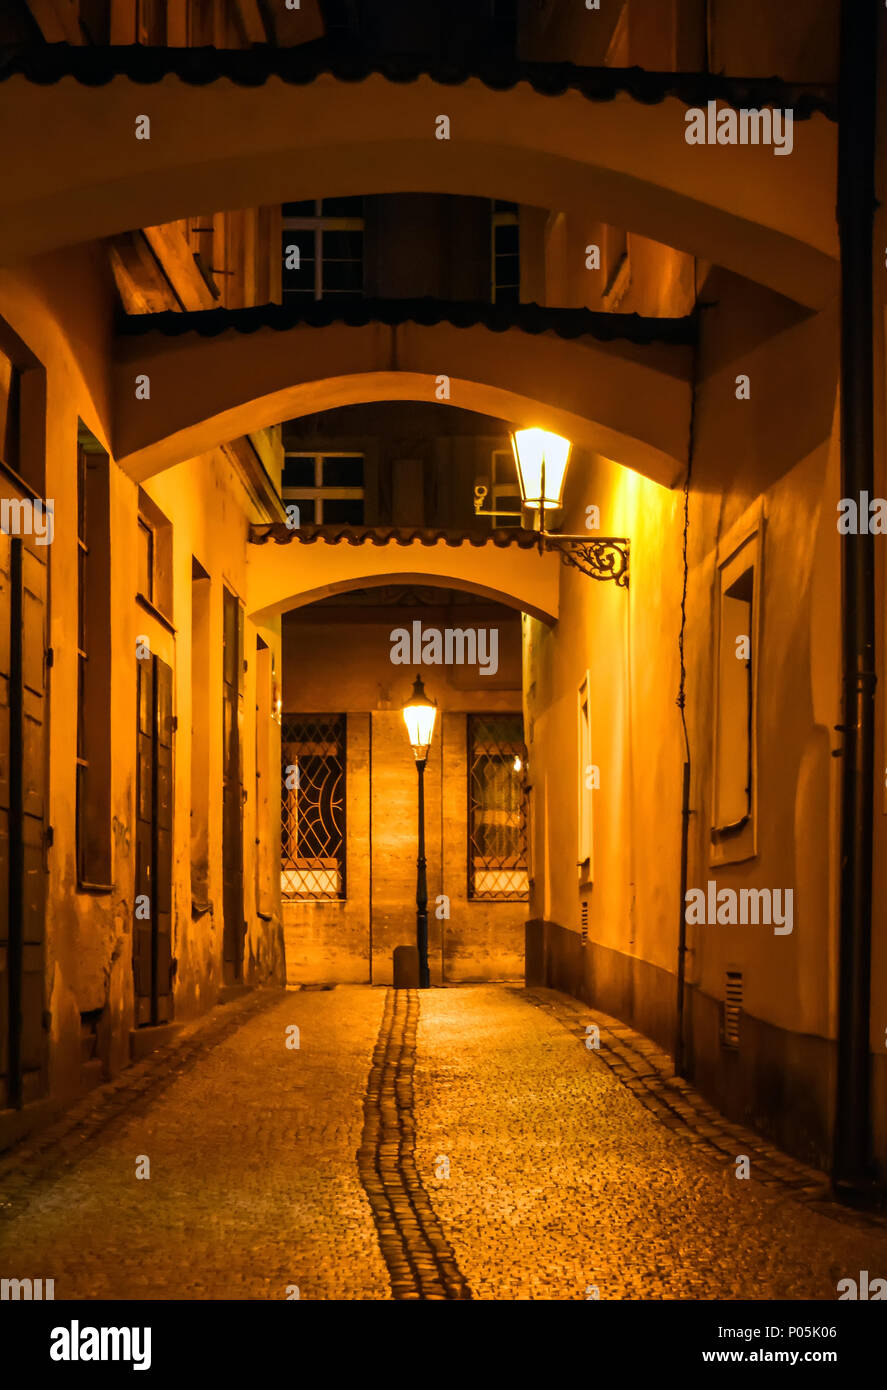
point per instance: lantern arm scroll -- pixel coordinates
(599, 557)
(604, 557)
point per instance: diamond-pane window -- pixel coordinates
(313, 806)
(497, 819)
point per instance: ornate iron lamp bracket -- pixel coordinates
(605, 557)
(600, 557)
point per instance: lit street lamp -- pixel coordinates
(541, 460)
(419, 715)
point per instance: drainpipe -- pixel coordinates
(680, 1058)
(856, 207)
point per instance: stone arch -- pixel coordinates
(625, 400)
(226, 144)
(284, 577)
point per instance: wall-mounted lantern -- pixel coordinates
(541, 459)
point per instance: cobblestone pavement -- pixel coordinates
(494, 1155)
(253, 1185)
(561, 1181)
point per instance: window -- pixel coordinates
(10, 413)
(146, 560)
(93, 753)
(497, 822)
(201, 706)
(733, 794)
(313, 806)
(505, 253)
(323, 249)
(327, 488)
(504, 489)
(154, 558)
(587, 780)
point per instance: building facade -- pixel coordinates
(265, 331)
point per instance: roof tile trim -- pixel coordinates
(499, 318)
(281, 534)
(94, 66)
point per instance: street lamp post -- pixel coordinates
(419, 715)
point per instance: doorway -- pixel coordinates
(152, 924)
(234, 925)
(23, 661)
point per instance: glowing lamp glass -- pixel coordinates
(541, 459)
(419, 715)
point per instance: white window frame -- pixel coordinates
(318, 493)
(741, 549)
(504, 491)
(320, 224)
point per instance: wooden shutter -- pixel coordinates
(5, 795)
(162, 910)
(141, 927)
(33, 815)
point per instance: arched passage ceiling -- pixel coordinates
(286, 570)
(610, 146)
(627, 399)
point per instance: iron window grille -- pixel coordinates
(497, 808)
(313, 807)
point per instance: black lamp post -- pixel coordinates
(419, 715)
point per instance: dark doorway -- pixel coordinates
(23, 660)
(152, 923)
(232, 790)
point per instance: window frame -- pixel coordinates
(318, 494)
(741, 550)
(504, 492)
(473, 806)
(501, 217)
(318, 224)
(288, 896)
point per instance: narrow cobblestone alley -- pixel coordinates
(495, 1159)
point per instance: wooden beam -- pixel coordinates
(58, 19)
(141, 283)
(176, 257)
(251, 22)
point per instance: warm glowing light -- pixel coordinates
(541, 459)
(419, 715)
(517, 763)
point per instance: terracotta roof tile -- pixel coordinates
(499, 318)
(281, 534)
(97, 65)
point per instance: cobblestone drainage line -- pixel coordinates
(421, 1262)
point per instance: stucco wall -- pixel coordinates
(63, 314)
(773, 456)
(355, 939)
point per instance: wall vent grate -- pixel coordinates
(732, 1008)
(583, 921)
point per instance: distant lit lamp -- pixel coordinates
(419, 715)
(541, 459)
